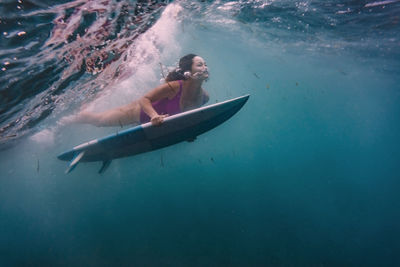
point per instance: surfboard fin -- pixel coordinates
(74, 162)
(104, 167)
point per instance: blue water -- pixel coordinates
(306, 174)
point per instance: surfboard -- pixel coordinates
(185, 126)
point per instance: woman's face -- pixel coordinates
(199, 68)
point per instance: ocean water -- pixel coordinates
(306, 174)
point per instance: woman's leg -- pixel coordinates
(128, 114)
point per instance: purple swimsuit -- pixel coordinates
(165, 106)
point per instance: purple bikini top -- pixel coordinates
(165, 106)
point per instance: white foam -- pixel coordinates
(160, 44)
(380, 3)
(44, 137)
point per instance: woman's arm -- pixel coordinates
(167, 90)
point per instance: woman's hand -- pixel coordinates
(158, 119)
(200, 75)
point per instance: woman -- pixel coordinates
(181, 92)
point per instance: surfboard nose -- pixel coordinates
(242, 100)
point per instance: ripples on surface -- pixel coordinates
(50, 54)
(320, 24)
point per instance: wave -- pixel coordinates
(65, 50)
(54, 58)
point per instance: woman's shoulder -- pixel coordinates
(174, 86)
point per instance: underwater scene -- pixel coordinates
(305, 174)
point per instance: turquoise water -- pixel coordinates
(306, 174)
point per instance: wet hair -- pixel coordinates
(185, 64)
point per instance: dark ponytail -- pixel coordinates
(185, 64)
